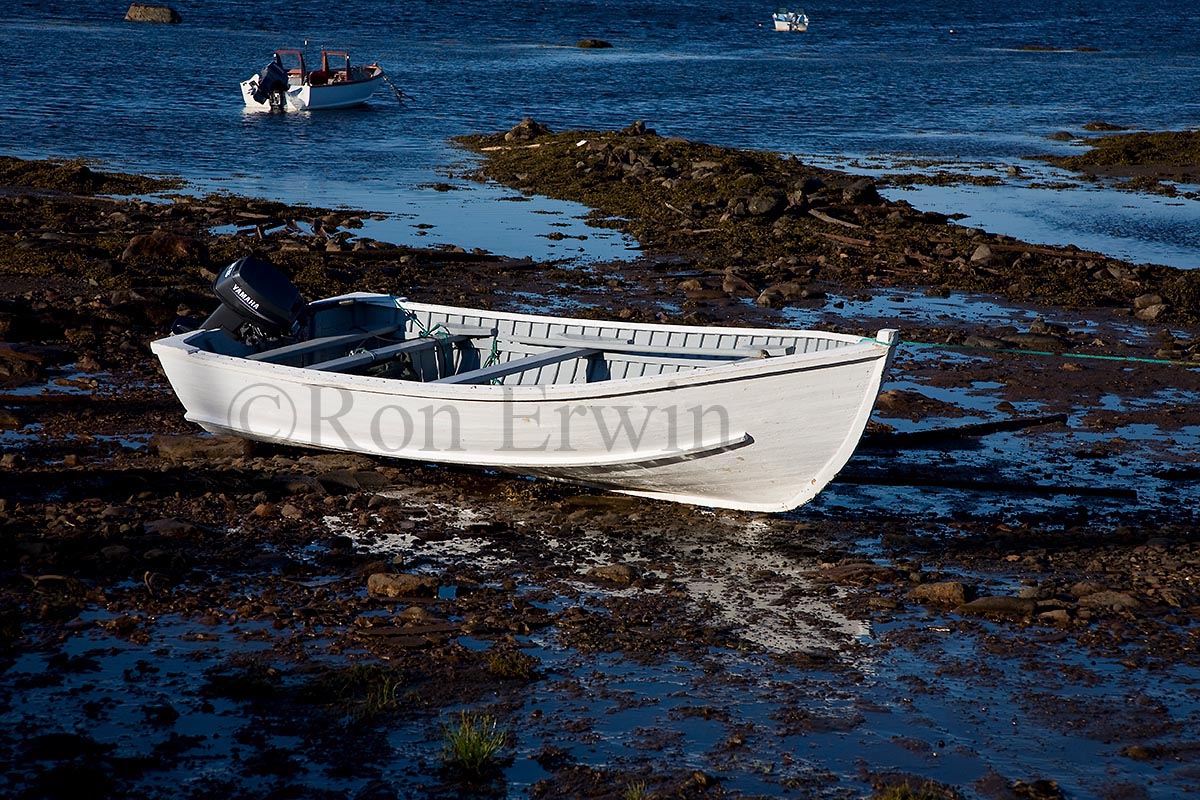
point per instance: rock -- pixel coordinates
(1061, 136)
(1084, 588)
(1059, 616)
(169, 527)
(147, 12)
(992, 606)
(164, 246)
(1150, 313)
(638, 128)
(1110, 600)
(982, 255)
(1146, 300)
(299, 484)
(622, 574)
(858, 573)
(9, 421)
(789, 290)
(762, 205)
(526, 130)
(370, 480)
(862, 192)
(734, 284)
(949, 594)
(339, 481)
(418, 614)
(387, 584)
(19, 366)
(187, 446)
(593, 44)
(115, 552)
(770, 298)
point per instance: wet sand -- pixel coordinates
(997, 598)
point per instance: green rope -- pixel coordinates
(439, 331)
(1019, 351)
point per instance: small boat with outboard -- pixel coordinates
(790, 20)
(286, 84)
(747, 418)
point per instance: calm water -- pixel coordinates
(937, 78)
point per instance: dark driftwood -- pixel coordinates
(893, 477)
(910, 438)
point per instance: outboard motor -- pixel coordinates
(271, 80)
(258, 302)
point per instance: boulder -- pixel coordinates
(526, 130)
(19, 366)
(999, 606)
(638, 128)
(622, 574)
(1109, 601)
(593, 44)
(948, 594)
(183, 447)
(148, 12)
(165, 246)
(862, 192)
(387, 584)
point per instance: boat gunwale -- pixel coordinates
(854, 350)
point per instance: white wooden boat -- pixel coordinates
(286, 84)
(790, 20)
(756, 419)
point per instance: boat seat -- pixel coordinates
(614, 345)
(535, 361)
(379, 354)
(315, 345)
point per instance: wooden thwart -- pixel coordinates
(321, 343)
(368, 357)
(536, 361)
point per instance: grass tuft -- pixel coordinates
(473, 742)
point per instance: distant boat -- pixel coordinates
(286, 85)
(790, 20)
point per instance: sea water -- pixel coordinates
(971, 80)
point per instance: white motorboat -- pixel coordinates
(286, 84)
(790, 20)
(743, 418)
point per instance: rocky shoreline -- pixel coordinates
(188, 614)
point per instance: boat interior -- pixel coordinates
(335, 68)
(384, 337)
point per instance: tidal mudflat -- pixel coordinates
(997, 598)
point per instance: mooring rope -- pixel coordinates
(401, 95)
(1019, 351)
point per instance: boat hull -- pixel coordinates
(762, 435)
(315, 98)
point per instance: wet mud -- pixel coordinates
(997, 598)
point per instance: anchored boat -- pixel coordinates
(285, 84)
(756, 419)
(790, 20)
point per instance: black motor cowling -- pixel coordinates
(272, 79)
(258, 302)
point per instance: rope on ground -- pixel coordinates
(1019, 351)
